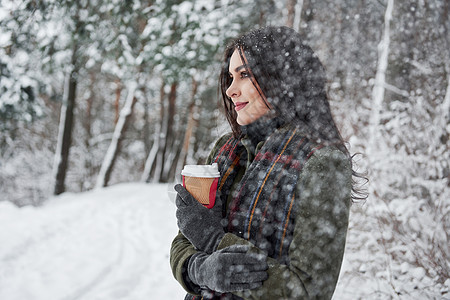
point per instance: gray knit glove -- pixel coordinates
(200, 225)
(231, 269)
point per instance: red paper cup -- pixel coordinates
(201, 182)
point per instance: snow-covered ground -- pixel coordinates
(113, 243)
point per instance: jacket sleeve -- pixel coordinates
(316, 252)
(181, 249)
(180, 252)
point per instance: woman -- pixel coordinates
(278, 228)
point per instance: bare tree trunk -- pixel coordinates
(88, 116)
(114, 147)
(294, 14)
(152, 169)
(380, 79)
(445, 109)
(146, 127)
(307, 11)
(65, 127)
(172, 158)
(190, 127)
(151, 158)
(153, 150)
(298, 15)
(446, 104)
(291, 13)
(446, 23)
(117, 101)
(169, 134)
(87, 125)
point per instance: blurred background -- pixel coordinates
(95, 93)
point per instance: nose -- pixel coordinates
(233, 90)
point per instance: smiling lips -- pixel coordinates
(240, 105)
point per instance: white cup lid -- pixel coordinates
(206, 171)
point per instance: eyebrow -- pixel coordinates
(244, 66)
(240, 68)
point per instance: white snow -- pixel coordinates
(110, 243)
(113, 243)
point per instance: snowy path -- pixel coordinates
(107, 244)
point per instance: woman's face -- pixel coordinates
(247, 101)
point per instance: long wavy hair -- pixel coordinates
(292, 79)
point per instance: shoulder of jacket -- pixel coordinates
(217, 145)
(224, 138)
(328, 153)
(222, 141)
(329, 159)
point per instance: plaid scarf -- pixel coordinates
(264, 202)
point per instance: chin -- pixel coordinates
(243, 122)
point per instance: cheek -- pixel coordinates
(259, 101)
(259, 106)
(253, 92)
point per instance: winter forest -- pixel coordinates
(99, 93)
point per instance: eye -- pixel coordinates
(244, 74)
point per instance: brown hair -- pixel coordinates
(290, 76)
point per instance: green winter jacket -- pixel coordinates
(317, 248)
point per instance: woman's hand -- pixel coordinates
(201, 226)
(228, 270)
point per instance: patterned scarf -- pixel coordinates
(264, 205)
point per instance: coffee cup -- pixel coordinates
(201, 182)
